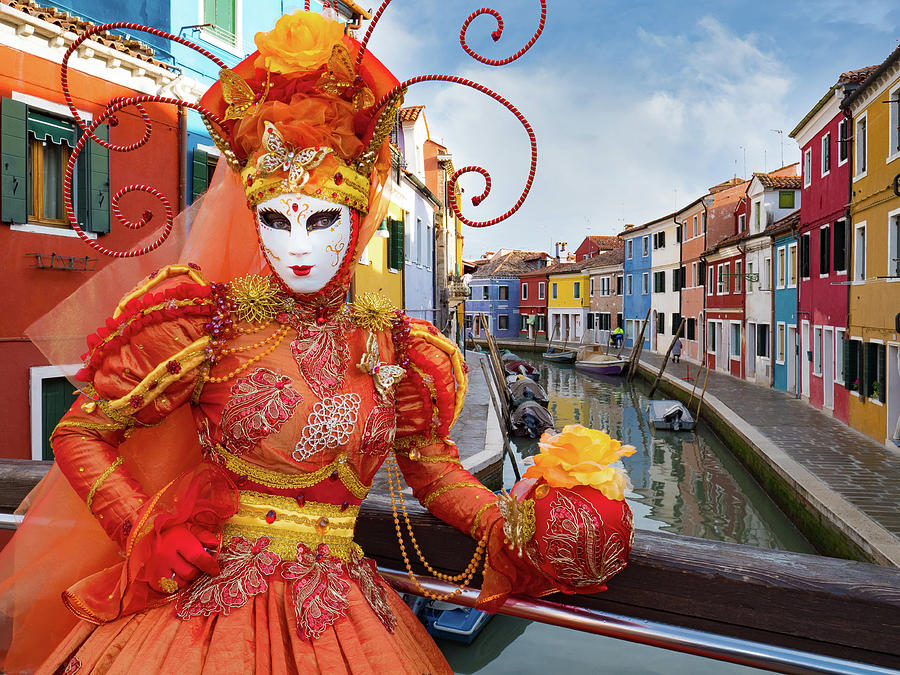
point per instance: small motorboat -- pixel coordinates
(448, 621)
(523, 389)
(530, 419)
(591, 359)
(560, 355)
(671, 415)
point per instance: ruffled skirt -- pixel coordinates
(260, 637)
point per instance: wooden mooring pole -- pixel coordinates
(666, 359)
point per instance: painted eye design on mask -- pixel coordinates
(274, 219)
(321, 220)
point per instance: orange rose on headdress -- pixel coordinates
(580, 456)
(301, 41)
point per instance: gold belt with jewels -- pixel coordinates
(287, 524)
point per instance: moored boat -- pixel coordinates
(671, 415)
(560, 355)
(592, 360)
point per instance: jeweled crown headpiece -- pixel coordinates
(309, 112)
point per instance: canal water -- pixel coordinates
(681, 482)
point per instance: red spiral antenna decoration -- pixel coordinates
(451, 186)
(498, 33)
(108, 116)
(495, 35)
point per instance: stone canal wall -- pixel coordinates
(832, 524)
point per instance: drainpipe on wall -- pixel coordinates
(849, 239)
(797, 369)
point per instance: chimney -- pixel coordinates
(561, 253)
(628, 226)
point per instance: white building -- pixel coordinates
(665, 281)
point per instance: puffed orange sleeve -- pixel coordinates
(429, 400)
(144, 363)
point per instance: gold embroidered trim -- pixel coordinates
(428, 381)
(518, 520)
(126, 421)
(188, 359)
(162, 275)
(419, 441)
(456, 361)
(100, 480)
(284, 545)
(289, 481)
(452, 486)
(94, 426)
(449, 459)
(473, 532)
(310, 511)
(198, 385)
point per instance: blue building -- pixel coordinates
(637, 289)
(788, 268)
(496, 291)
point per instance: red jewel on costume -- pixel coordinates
(136, 401)
(345, 506)
(295, 206)
(173, 367)
(338, 178)
(334, 475)
(301, 500)
(194, 266)
(270, 517)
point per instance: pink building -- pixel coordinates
(693, 244)
(824, 246)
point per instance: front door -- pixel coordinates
(751, 350)
(790, 362)
(893, 393)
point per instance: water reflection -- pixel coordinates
(683, 482)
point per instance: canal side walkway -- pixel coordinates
(851, 482)
(476, 433)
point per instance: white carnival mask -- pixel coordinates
(304, 239)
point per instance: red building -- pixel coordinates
(533, 304)
(824, 246)
(44, 260)
(724, 257)
(594, 244)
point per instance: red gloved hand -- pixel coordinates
(180, 556)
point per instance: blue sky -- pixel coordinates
(638, 107)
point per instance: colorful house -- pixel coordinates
(823, 136)
(636, 271)
(789, 346)
(725, 305)
(770, 197)
(533, 304)
(665, 278)
(871, 355)
(606, 287)
(726, 229)
(593, 245)
(568, 302)
(496, 292)
(693, 243)
(44, 260)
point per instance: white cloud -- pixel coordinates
(618, 142)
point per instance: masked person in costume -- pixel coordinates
(228, 431)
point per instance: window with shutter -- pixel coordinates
(804, 256)
(395, 244)
(14, 144)
(840, 246)
(199, 173)
(824, 250)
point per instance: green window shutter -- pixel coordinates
(97, 197)
(881, 372)
(57, 396)
(847, 366)
(13, 162)
(199, 173)
(395, 253)
(225, 15)
(785, 200)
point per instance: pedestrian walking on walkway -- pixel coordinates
(676, 350)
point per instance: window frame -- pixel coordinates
(781, 267)
(629, 284)
(893, 150)
(211, 38)
(732, 343)
(780, 342)
(35, 171)
(629, 249)
(554, 290)
(825, 250)
(722, 272)
(576, 290)
(500, 318)
(738, 270)
(524, 291)
(859, 270)
(843, 141)
(818, 342)
(486, 292)
(893, 257)
(782, 198)
(793, 265)
(645, 283)
(825, 158)
(861, 138)
(542, 290)
(844, 232)
(645, 245)
(503, 292)
(807, 167)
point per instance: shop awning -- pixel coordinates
(45, 127)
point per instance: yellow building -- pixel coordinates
(568, 301)
(872, 352)
(376, 272)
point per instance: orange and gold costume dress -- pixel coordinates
(294, 420)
